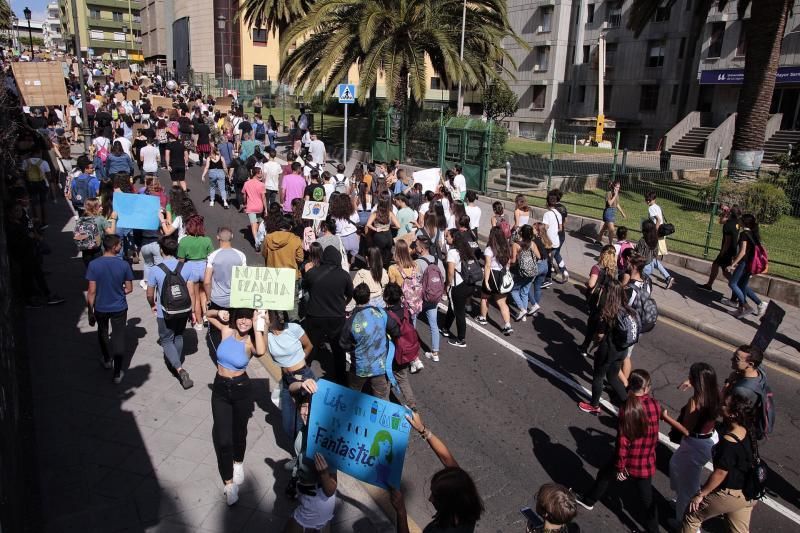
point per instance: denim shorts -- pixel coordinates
(195, 270)
(252, 217)
(610, 214)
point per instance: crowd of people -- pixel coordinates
(389, 254)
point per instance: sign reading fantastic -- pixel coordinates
(360, 435)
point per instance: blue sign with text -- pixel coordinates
(347, 93)
(735, 76)
(359, 434)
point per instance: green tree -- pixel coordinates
(499, 102)
(273, 14)
(391, 39)
(25, 41)
(764, 38)
(5, 15)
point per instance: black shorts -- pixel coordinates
(178, 174)
(724, 261)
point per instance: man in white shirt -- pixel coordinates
(124, 141)
(272, 171)
(149, 157)
(552, 218)
(317, 149)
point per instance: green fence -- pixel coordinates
(689, 191)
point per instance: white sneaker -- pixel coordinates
(520, 315)
(238, 473)
(211, 203)
(231, 493)
(730, 303)
(416, 366)
(759, 310)
(433, 356)
(198, 326)
(143, 285)
(533, 310)
(565, 277)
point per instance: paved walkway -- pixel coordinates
(138, 457)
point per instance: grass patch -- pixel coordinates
(522, 146)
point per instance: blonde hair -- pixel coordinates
(402, 255)
(541, 231)
(608, 259)
(92, 206)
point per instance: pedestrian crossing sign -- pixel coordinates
(347, 93)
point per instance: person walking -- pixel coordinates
(749, 380)
(177, 159)
(749, 238)
(525, 260)
(231, 393)
(255, 199)
(459, 290)
(218, 275)
(110, 280)
(635, 453)
(596, 286)
(729, 220)
(554, 222)
(497, 255)
(648, 248)
(432, 290)
(610, 213)
(217, 172)
(284, 249)
(194, 250)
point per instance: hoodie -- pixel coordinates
(283, 249)
(329, 286)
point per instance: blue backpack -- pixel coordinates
(80, 190)
(260, 131)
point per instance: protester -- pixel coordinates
(284, 249)
(373, 276)
(610, 212)
(497, 256)
(177, 159)
(460, 286)
(556, 506)
(255, 199)
(596, 291)
(379, 225)
(219, 273)
(405, 337)
(554, 222)
(729, 219)
(194, 250)
(433, 288)
(522, 211)
(739, 269)
(648, 248)
(217, 172)
(526, 259)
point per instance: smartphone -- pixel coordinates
(534, 520)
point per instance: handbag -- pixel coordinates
(666, 228)
(501, 281)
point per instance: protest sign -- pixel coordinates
(359, 434)
(315, 210)
(122, 75)
(263, 288)
(137, 211)
(119, 97)
(41, 83)
(133, 95)
(223, 103)
(160, 101)
(430, 178)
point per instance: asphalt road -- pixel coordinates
(514, 426)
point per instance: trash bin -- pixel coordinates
(666, 155)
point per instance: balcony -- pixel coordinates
(136, 5)
(95, 22)
(111, 43)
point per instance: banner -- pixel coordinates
(223, 103)
(263, 288)
(430, 178)
(160, 101)
(315, 210)
(137, 211)
(358, 434)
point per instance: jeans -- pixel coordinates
(151, 256)
(522, 287)
(170, 332)
(432, 317)
(644, 486)
(655, 263)
(686, 469)
(231, 408)
(290, 418)
(126, 236)
(328, 329)
(216, 183)
(740, 285)
(535, 295)
(457, 309)
(607, 363)
(522, 293)
(271, 136)
(116, 339)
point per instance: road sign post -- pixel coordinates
(347, 96)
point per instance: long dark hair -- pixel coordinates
(750, 222)
(375, 262)
(703, 379)
(742, 411)
(441, 219)
(525, 234)
(615, 300)
(383, 210)
(455, 497)
(341, 206)
(315, 253)
(499, 245)
(461, 244)
(650, 234)
(633, 421)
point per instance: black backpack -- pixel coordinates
(471, 272)
(175, 300)
(625, 329)
(645, 305)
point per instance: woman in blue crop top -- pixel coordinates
(231, 398)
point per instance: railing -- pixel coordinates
(721, 139)
(690, 121)
(773, 125)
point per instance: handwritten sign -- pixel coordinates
(263, 288)
(122, 75)
(137, 211)
(132, 95)
(430, 178)
(358, 434)
(315, 210)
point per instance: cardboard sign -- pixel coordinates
(122, 75)
(119, 97)
(137, 211)
(145, 82)
(41, 83)
(262, 288)
(430, 178)
(133, 95)
(160, 101)
(315, 210)
(223, 102)
(358, 434)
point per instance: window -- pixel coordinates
(662, 12)
(741, 46)
(117, 16)
(587, 51)
(436, 83)
(259, 36)
(607, 92)
(674, 98)
(259, 72)
(94, 13)
(611, 55)
(648, 100)
(682, 48)
(590, 13)
(615, 15)
(96, 34)
(539, 94)
(120, 36)
(541, 58)
(547, 17)
(717, 35)
(581, 93)
(655, 53)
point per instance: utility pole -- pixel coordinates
(601, 73)
(87, 131)
(221, 26)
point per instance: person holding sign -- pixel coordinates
(231, 397)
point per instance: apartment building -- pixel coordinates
(53, 39)
(109, 29)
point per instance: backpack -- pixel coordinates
(260, 131)
(432, 283)
(503, 224)
(526, 264)
(340, 186)
(80, 189)
(175, 300)
(407, 344)
(625, 245)
(34, 173)
(302, 122)
(755, 481)
(765, 408)
(759, 264)
(626, 328)
(86, 234)
(645, 306)
(471, 272)
(102, 152)
(412, 291)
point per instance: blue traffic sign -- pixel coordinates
(347, 93)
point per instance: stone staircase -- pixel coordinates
(692, 144)
(779, 143)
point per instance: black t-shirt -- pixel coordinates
(176, 151)
(245, 127)
(145, 107)
(731, 230)
(203, 132)
(185, 125)
(746, 236)
(315, 192)
(734, 457)
(38, 123)
(102, 119)
(137, 145)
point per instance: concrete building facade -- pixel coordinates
(53, 38)
(109, 29)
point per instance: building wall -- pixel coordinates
(157, 30)
(100, 31)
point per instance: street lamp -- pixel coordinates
(27, 12)
(221, 25)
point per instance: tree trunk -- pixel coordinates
(689, 70)
(401, 91)
(764, 38)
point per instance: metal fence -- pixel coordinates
(688, 189)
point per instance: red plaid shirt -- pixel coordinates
(638, 456)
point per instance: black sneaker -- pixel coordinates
(704, 287)
(457, 343)
(445, 333)
(508, 330)
(186, 381)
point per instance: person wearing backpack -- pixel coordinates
(406, 342)
(406, 274)
(83, 187)
(364, 337)
(742, 267)
(640, 298)
(464, 275)
(169, 298)
(497, 280)
(596, 286)
(750, 381)
(90, 229)
(110, 280)
(525, 258)
(498, 219)
(725, 492)
(433, 286)
(37, 176)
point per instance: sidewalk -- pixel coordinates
(685, 303)
(138, 457)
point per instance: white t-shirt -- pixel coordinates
(460, 186)
(489, 254)
(329, 188)
(177, 223)
(317, 150)
(655, 214)
(553, 219)
(474, 214)
(272, 174)
(454, 257)
(345, 227)
(101, 142)
(149, 155)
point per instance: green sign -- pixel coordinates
(263, 288)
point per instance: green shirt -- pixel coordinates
(195, 248)
(405, 216)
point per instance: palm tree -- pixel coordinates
(393, 38)
(5, 15)
(764, 38)
(273, 14)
